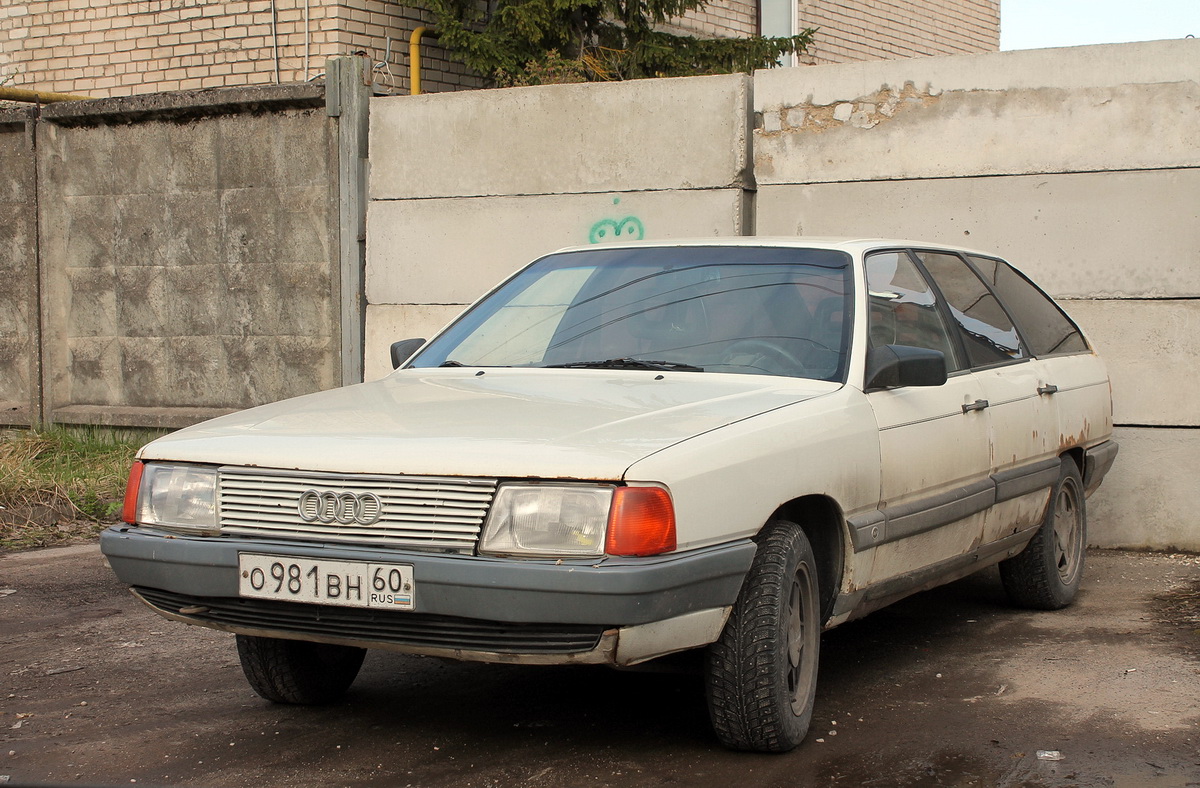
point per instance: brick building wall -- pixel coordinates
(115, 47)
(107, 48)
(367, 26)
(853, 30)
(719, 19)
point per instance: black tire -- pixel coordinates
(761, 675)
(1047, 573)
(296, 671)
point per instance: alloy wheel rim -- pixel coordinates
(800, 650)
(1068, 533)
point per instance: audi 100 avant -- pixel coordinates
(628, 451)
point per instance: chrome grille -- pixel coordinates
(419, 512)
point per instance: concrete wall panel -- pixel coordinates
(190, 255)
(904, 132)
(1070, 68)
(19, 368)
(1125, 234)
(1143, 343)
(452, 251)
(562, 139)
(388, 323)
(1080, 109)
(1150, 498)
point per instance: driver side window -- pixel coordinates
(903, 308)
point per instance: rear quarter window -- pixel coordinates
(1045, 326)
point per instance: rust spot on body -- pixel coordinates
(1066, 441)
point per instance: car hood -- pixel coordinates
(514, 423)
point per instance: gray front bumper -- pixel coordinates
(609, 592)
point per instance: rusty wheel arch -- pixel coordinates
(821, 519)
(1077, 456)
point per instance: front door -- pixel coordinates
(934, 460)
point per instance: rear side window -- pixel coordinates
(1047, 329)
(987, 330)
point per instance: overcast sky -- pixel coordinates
(1035, 24)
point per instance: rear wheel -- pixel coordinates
(296, 671)
(1047, 574)
(761, 674)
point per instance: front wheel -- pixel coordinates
(1046, 574)
(296, 671)
(761, 674)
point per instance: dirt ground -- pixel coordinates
(948, 688)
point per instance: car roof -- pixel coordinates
(847, 244)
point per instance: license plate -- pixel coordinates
(344, 583)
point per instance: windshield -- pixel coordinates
(743, 310)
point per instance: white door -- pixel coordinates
(935, 464)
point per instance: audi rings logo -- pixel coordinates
(347, 508)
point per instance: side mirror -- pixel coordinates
(402, 351)
(901, 365)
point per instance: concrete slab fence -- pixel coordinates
(170, 257)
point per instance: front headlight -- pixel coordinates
(577, 521)
(175, 497)
(547, 520)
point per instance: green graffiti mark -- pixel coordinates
(628, 229)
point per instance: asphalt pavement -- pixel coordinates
(948, 688)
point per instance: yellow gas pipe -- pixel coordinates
(36, 96)
(414, 59)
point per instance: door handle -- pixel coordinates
(978, 404)
(1049, 388)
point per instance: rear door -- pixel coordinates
(1023, 456)
(1072, 380)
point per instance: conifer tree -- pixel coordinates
(528, 42)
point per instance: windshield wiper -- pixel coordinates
(451, 363)
(628, 363)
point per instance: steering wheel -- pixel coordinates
(770, 357)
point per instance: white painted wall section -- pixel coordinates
(650, 134)
(950, 117)
(454, 250)
(1151, 348)
(1129, 234)
(1150, 498)
(388, 323)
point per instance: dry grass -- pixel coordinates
(62, 484)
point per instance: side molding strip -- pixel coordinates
(1016, 482)
(880, 526)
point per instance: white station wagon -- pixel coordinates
(627, 451)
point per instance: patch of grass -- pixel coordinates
(63, 483)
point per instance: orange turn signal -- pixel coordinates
(129, 510)
(640, 522)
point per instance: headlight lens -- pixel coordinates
(178, 497)
(547, 520)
